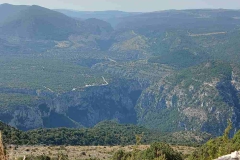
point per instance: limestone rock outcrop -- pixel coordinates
(233, 156)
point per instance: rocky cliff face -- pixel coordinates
(85, 107)
(192, 100)
(201, 98)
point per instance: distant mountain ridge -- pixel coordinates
(61, 71)
(35, 22)
(92, 14)
(8, 10)
(112, 16)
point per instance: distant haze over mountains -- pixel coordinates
(110, 16)
(8, 10)
(42, 23)
(94, 14)
(170, 70)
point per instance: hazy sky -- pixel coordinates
(129, 5)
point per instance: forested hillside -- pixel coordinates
(171, 71)
(106, 133)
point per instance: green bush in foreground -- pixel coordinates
(218, 147)
(157, 151)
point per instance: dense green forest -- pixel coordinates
(173, 70)
(105, 133)
(166, 76)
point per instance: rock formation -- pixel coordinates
(233, 156)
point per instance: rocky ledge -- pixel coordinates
(233, 156)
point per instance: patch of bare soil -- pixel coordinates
(78, 152)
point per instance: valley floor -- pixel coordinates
(79, 152)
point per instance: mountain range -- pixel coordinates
(113, 17)
(171, 71)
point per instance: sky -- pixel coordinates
(128, 5)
